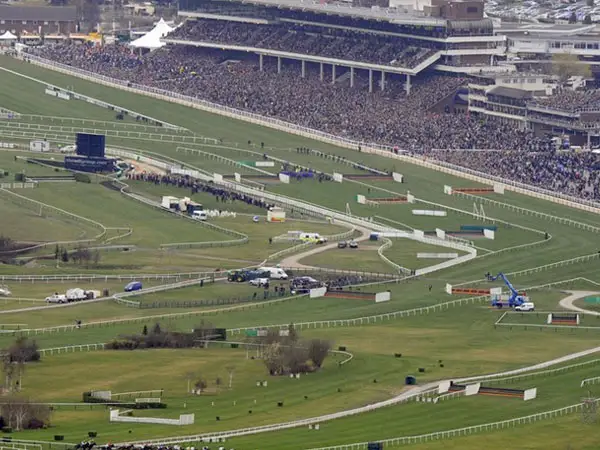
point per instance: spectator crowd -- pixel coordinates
(183, 181)
(388, 117)
(576, 174)
(571, 100)
(313, 40)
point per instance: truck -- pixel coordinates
(240, 276)
(192, 207)
(514, 299)
(169, 202)
(76, 294)
(275, 273)
(57, 298)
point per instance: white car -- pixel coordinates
(528, 306)
(259, 282)
(57, 298)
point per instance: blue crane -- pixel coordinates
(515, 299)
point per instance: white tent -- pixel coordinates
(8, 36)
(151, 40)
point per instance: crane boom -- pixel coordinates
(508, 283)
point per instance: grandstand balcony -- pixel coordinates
(310, 58)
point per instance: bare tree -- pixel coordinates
(20, 352)
(96, 257)
(200, 385)
(273, 358)
(292, 336)
(294, 359)
(318, 349)
(189, 377)
(20, 413)
(566, 65)
(231, 372)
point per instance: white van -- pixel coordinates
(199, 215)
(275, 273)
(527, 306)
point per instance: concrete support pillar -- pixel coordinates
(407, 85)
(589, 140)
(279, 64)
(332, 73)
(382, 80)
(303, 69)
(321, 71)
(370, 80)
(351, 77)
(260, 62)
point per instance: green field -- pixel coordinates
(451, 341)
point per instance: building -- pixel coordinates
(516, 99)
(447, 35)
(38, 20)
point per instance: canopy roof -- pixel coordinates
(9, 36)
(151, 40)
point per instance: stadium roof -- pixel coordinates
(544, 29)
(33, 13)
(379, 14)
(510, 92)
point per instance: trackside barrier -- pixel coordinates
(104, 277)
(96, 102)
(387, 244)
(71, 349)
(565, 262)
(123, 296)
(366, 320)
(14, 197)
(530, 212)
(386, 151)
(594, 380)
(466, 431)
(124, 126)
(15, 444)
(528, 376)
(144, 319)
(324, 212)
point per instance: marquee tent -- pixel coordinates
(151, 40)
(8, 36)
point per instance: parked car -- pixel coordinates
(57, 298)
(527, 306)
(259, 282)
(342, 244)
(353, 244)
(133, 286)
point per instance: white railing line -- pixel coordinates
(381, 150)
(447, 434)
(564, 262)
(593, 380)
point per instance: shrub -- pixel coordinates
(82, 178)
(6, 430)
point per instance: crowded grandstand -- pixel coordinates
(425, 84)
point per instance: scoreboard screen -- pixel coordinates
(91, 145)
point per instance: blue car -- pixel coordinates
(133, 286)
